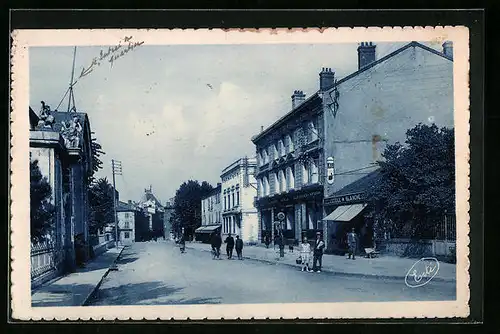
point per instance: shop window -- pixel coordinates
(289, 219)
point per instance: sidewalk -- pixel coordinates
(74, 289)
(383, 266)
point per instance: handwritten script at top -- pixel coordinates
(113, 53)
(422, 272)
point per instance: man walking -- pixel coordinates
(352, 243)
(239, 247)
(229, 246)
(319, 246)
(215, 242)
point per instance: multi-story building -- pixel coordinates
(290, 164)
(211, 215)
(369, 109)
(238, 189)
(126, 213)
(154, 212)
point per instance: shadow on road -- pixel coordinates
(62, 295)
(145, 293)
(129, 258)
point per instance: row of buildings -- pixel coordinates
(315, 163)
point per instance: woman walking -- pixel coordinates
(305, 254)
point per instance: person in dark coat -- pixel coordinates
(267, 240)
(216, 243)
(239, 247)
(229, 246)
(352, 243)
(319, 246)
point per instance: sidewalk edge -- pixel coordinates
(94, 290)
(338, 273)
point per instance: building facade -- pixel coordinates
(238, 190)
(126, 222)
(290, 171)
(211, 215)
(61, 143)
(154, 212)
(369, 109)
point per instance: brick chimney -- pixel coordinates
(448, 49)
(297, 98)
(326, 79)
(366, 54)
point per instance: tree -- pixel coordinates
(417, 183)
(187, 206)
(101, 205)
(42, 211)
(96, 151)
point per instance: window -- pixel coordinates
(305, 173)
(266, 186)
(127, 235)
(237, 197)
(289, 142)
(276, 183)
(127, 224)
(281, 148)
(225, 202)
(290, 178)
(313, 172)
(264, 156)
(282, 181)
(126, 214)
(260, 188)
(232, 195)
(312, 131)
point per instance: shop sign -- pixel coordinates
(359, 197)
(289, 198)
(330, 170)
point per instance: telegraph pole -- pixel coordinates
(117, 170)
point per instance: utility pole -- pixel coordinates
(117, 170)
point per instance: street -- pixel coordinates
(157, 273)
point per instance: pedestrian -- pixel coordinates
(239, 247)
(229, 246)
(267, 240)
(213, 244)
(218, 244)
(319, 246)
(305, 254)
(352, 243)
(182, 243)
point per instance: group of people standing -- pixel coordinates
(216, 243)
(317, 254)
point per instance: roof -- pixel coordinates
(122, 206)
(390, 55)
(306, 104)
(149, 196)
(344, 79)
(240, 162)
(360, 185)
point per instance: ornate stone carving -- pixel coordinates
(71, 132)
(47, 120)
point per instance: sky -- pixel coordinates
(178, 112)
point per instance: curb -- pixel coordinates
(337, 273)
(94, 290)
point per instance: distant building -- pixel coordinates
(211, 215)
(154, 212)
(126, 213)
(238, 189)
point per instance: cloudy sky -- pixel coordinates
(173, 113)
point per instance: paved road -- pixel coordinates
(157, 273)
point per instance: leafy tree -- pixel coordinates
(417, 183)
(187, 206)
(42, 211)
(101, 205)
(96, 151)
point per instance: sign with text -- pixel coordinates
(358, 197)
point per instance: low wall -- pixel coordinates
(103, 247)
(418, 248)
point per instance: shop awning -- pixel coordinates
(345, 213)
(207, 229)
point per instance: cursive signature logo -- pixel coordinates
(111, 54)
(422, 272)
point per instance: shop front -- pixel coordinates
(344, 213)
(302, 209)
